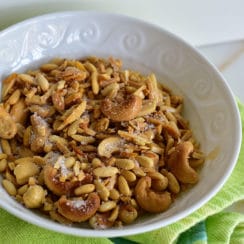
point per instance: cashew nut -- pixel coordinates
(109, 145)
(179, 165)
(124, 111)
(8, 127)
(149, 200)
(53, 183)
(79, 210)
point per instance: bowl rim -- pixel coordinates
(170, 220)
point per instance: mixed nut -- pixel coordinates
(84, 140)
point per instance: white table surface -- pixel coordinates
(199, 22)
(229, 58)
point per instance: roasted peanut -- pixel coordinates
(24, 170)
(114, 194)
(58, 217)
(34, 197)
(3, 156)
(3, 164)
(84, 189)
(145, 161)
(124, 163)
(72, 114)
(23, 189)
(14, 98)
(42, 82)
(123, 186)
(114, 215)
(9, 187)
(129, 176)
(8, 83)
(107, 206)
(174, 186)
(8, 128)
(96, 162)
(100, 221)
(19, 112)
(105, 171)
(127, 214)
(102, 190)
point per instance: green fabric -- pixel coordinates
(221, 227)
(197, 235)
(225, 227)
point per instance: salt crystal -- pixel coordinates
(40, 120)
(78, 203)
(64, 170)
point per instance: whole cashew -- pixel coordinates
(124, 111)
(109, 145)
(149, 200)
(79, 210)
(52, 182)
(179, 165)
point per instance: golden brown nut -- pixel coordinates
(153, 202)
(53, 184)
(24, 170)
(19, 112)
(79, 210)
(127, 213)
(58, 100)
(8, 128)
(59, 188)
(109, 145)
(40, 133)
(72, 73)
(100, 221)
(124, 111)
(179, 165)
(34, 197)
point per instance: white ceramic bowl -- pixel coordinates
(209, 103)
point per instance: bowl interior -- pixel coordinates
(209, 104)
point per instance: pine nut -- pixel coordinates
(84, 189)
(9, 187)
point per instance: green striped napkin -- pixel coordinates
(209, 224)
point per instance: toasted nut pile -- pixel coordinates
(84, 140)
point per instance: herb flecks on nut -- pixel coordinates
(85, 140)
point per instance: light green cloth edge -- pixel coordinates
(237, 236)
(225, 227)
(13, 230)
